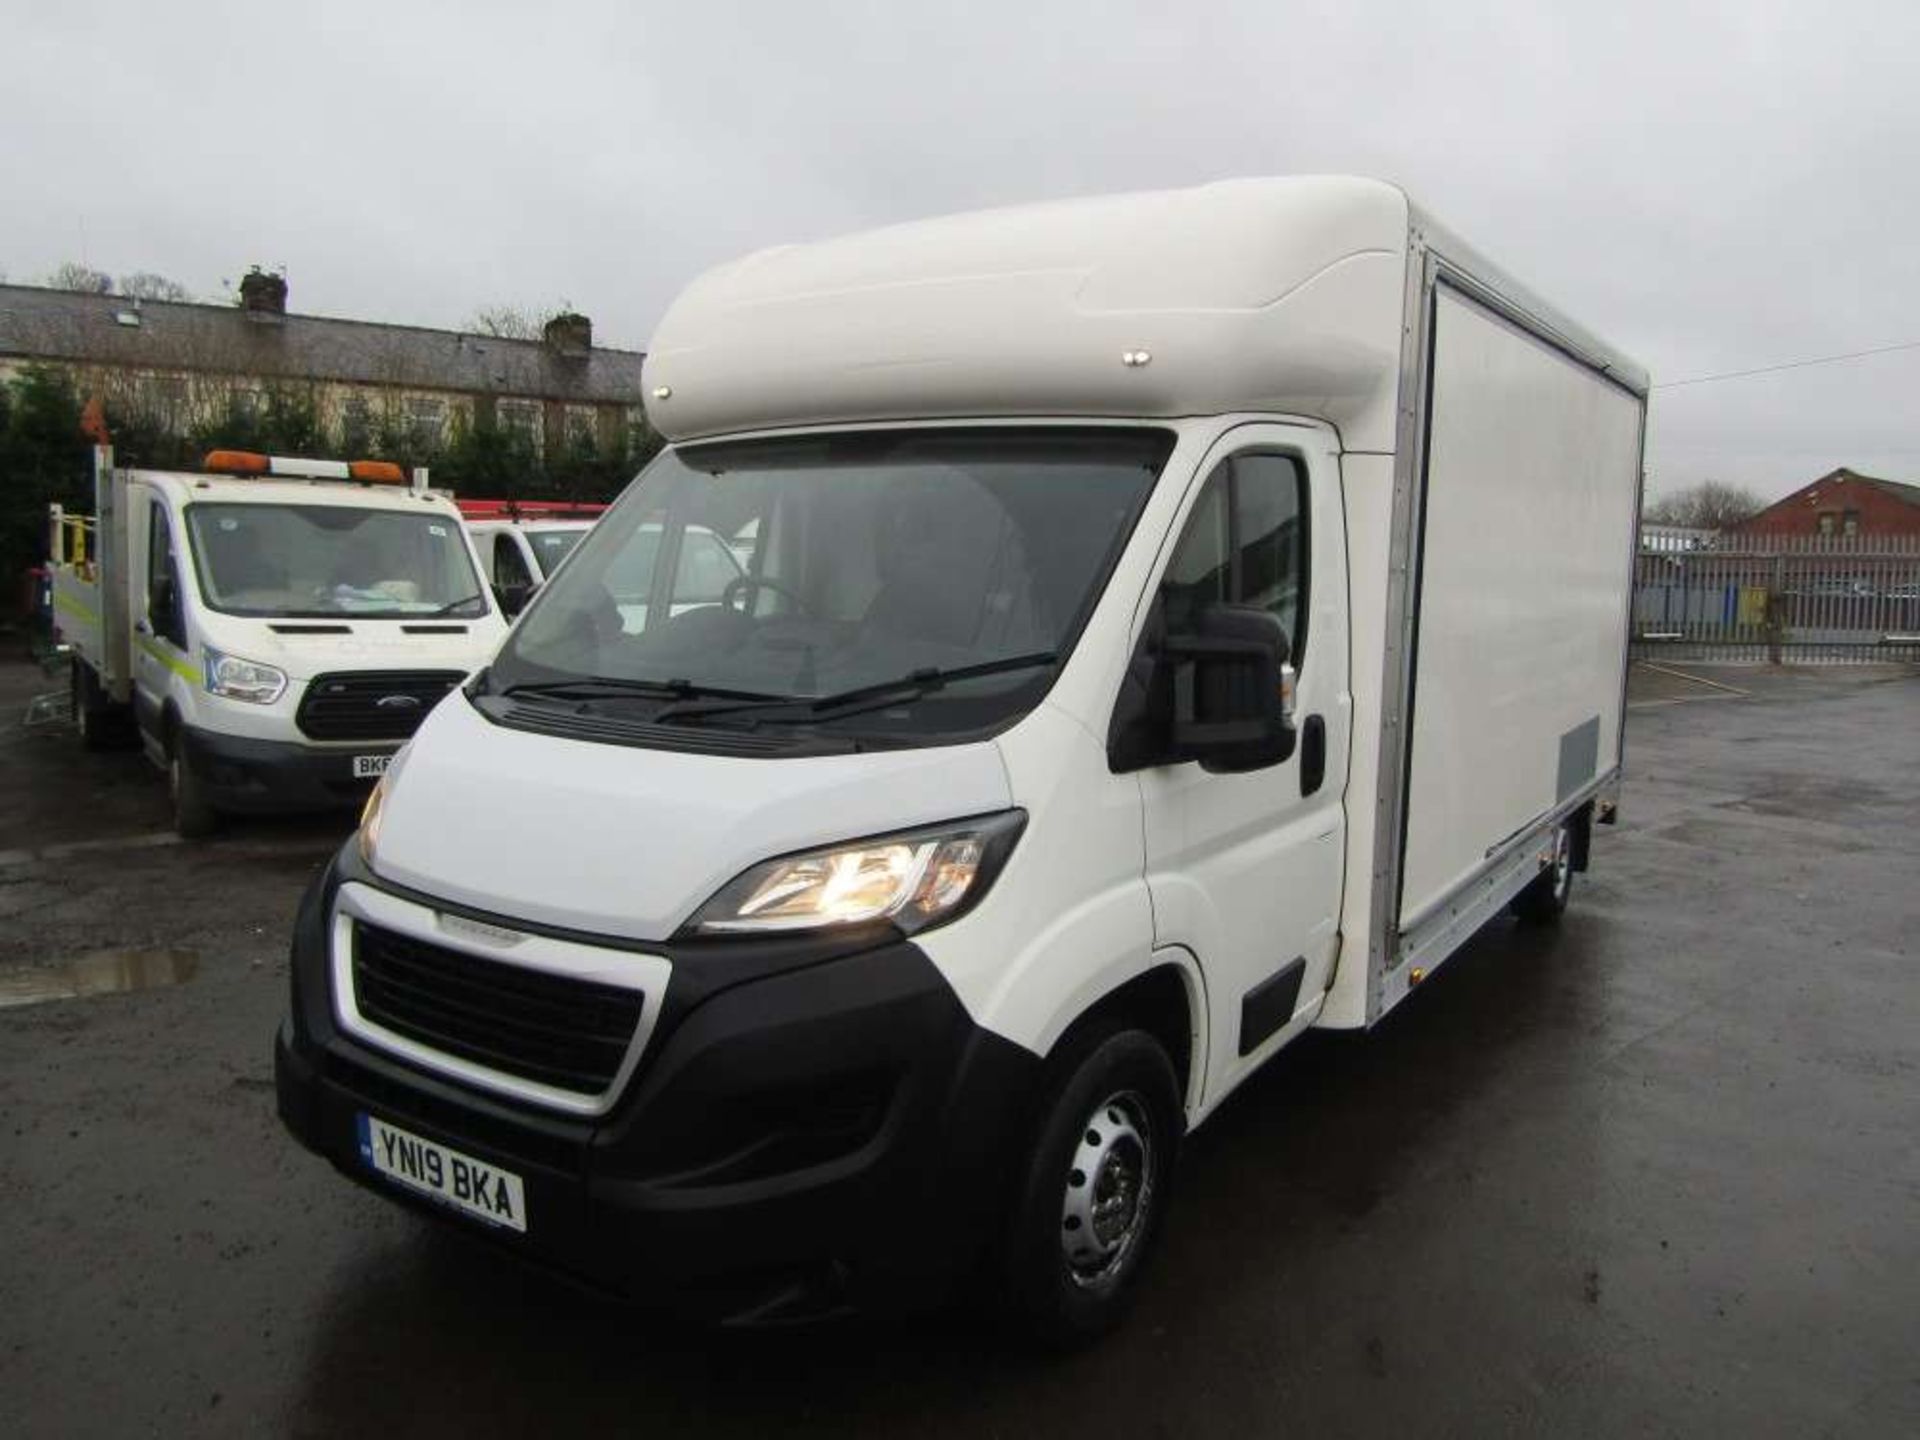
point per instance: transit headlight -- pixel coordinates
(248, 680)
(914, 879)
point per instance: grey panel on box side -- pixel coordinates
(1579, 757)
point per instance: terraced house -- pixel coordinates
(183, 366)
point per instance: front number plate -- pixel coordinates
(470, 1186)
(370, 767)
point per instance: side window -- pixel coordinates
(164, 611)
(509, 566)
(1245, 544)
(707, 567)
(628, 577)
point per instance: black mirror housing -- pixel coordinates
(1229, 700)
(513, 598)
(1213, 692)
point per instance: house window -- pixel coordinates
(356, 423)
(1850, 522)
(520, 418)
(167, 398)
(428, 415)
(579, 426)
(246, 404)
(1827, 519)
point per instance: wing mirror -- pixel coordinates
(1219, 690)
(513, 597)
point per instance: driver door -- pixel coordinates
(1245, 869)
(160, 648)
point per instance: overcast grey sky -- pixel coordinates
(1710, 186)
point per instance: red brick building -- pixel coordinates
(1843, 502)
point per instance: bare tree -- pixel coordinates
(146, 285)
(72, 275)
(1710, 505)
(506, 322)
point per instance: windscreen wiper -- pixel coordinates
(858, 701)
(601, 687)
(448, 608)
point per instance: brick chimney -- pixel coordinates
(569, 336)
(263, 295)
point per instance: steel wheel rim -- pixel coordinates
(1108, 1190)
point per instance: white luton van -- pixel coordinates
(269, 629)
(1165, 623)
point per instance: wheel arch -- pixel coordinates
(1167, 999)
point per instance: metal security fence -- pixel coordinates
(1787, 599)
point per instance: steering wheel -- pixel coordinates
(756, 583)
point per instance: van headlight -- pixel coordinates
(248, 680)
(369, 833)
(914, 879)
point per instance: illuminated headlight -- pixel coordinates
(370, 813)
(247, 680)
(915, 879)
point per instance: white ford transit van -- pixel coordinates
(1161, 624)
(270, 629)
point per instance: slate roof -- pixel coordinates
(43, 324)
(1899, 489)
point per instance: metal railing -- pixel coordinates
(1785, 599)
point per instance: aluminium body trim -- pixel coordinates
(1505, 295)
(1633, 584)
(1510, 866)
(1416, 338)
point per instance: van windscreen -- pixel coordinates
(332, 560)
(811, 567)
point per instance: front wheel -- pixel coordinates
(194, 817)
(1544, 900)
(1096, 1184)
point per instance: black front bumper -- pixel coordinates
(808, 1130)
(256, 777)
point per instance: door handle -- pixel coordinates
(140, 627)
(1313, 754)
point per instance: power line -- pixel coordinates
(1789, 365)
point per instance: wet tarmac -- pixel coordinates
(1653, 1173)
(100, 972)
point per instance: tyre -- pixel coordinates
(101, 724)
(1544, 900)
(194, 817)
(1095, 1186)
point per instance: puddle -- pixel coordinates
(99, 972)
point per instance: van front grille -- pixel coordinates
(371, 705)
(550, 1029)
